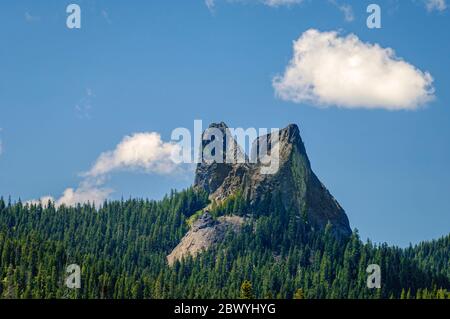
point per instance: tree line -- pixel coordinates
(122, 246)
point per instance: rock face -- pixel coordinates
(212, 176)
(295, 182)
(204, 233)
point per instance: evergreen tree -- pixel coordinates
(122, 248)
(299, 294)
(246, 290)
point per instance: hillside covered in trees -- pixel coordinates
(122, 248)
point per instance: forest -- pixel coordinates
(122, 246)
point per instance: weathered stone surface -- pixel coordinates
(211, 176)
(299, 187)
(295, 183)
(204, 233)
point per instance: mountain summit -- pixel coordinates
(294, 184)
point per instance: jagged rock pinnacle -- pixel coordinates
(294, 183)
(299, 187)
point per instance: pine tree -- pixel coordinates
(246, 290)
(403, 294)
(123, 247)
(299, 294)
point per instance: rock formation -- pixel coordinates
(204, 233)
(294, 182)
(299, 187)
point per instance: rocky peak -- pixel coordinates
(294, 181)
(292, 134)
(210, 173)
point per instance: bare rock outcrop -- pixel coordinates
(204, 233)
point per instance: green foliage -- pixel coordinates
(299, 294)
(122, 248)
(246, 290)
(193, 218)
(234, 204)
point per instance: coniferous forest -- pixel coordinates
(122, 246)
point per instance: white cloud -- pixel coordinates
(84, 194)
(140, 151)
(43, 201)
(348, 12)
(271, 3)
(144, 151)
(346, 9)
(278, 3)
(84, 106)
(439, 5)
(210, 4)
(331, 70)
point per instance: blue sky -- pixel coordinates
(66, 96)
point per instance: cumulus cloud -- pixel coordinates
(438, 5)
(328, 69)
(144, 151)
(84, 194)
(89, 191)
(140, 151)
(44, 200)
